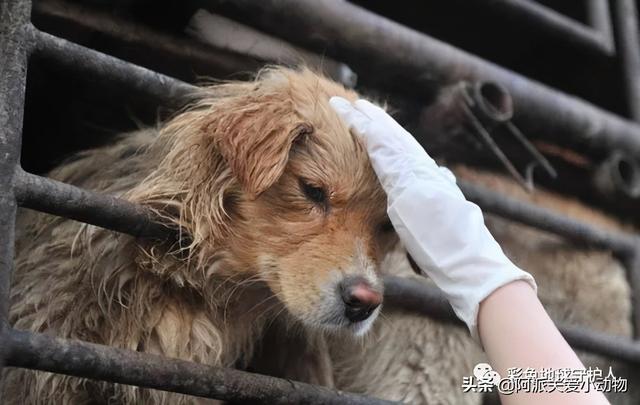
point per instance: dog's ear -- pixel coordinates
(254, 136)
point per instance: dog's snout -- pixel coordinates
(360, 299)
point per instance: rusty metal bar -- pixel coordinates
(216, 60)
(625, 15)
(87, 18)
(549, 22)
(620, 243)
(81, 359)
(114, 71)
(14, 49)
(53, 197)
(419, 297)
(392, 53)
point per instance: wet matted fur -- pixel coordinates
(231, 172)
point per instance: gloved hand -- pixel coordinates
(444, 233)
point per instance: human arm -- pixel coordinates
(516, 331)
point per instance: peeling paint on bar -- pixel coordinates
(81, 359)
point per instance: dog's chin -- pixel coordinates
(342, 326)
(361, 328)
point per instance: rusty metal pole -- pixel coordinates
(14, 49)
(625, 15)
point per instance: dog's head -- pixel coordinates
(276, 182)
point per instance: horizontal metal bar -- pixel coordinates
(550, 23)
(541, 218)
(57, 198)
(223, 59)
(421, 298)
(84, 17)
(112, 71)
(389, 53)
(81, 359)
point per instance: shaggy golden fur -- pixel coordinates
(230, 172)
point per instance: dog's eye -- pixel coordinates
(315, 194)
(386, 226)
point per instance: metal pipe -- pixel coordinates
(216, 60)
(414, 295)
(599, 18)
(625, 16)
(225, 33)
(618, 175)
(87, 360)
(14, 49)
(112, 71)
(57, 198)
(390, 52)
(620, 243)
(449, 115)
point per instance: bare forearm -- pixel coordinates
(516, 331)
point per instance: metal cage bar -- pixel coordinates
(14, 16)
(625, 16)
(77, 58)
(599, 18)
(430, 301)
(81, 359)
(53, 197)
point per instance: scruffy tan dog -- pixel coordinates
(284, 216)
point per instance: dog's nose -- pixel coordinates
(360, 299)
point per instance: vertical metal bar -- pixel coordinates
(14, 16)
(625, 16)
(632, 263)
(599, 18)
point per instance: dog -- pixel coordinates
(282, 221)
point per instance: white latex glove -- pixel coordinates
(444, 233)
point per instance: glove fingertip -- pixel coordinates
(368, 108)
(337, 100)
